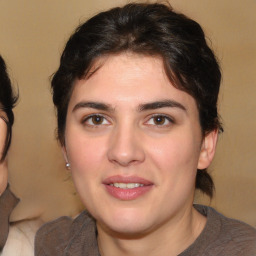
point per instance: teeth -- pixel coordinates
(127, 185)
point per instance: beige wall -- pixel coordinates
(32, 35)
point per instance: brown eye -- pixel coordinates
(159, 120)
(95, 120)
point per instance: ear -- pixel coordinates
(207, 150)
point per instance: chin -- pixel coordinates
(126, 230)
(125, 224)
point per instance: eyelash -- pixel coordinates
(87, 118)
(164, 118)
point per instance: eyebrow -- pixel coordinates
(142, 107)
(95, 105)
(161, 104)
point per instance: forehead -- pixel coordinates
(129, 78)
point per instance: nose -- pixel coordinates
(126, 147)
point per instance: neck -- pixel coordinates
(3, 176)
(172, 238)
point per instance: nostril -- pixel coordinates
(126, 162)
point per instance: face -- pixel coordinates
(3, 131)
(3, 167)
(134, 144)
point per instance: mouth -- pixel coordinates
(126, 185)
(127, 188)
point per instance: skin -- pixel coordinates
(162, 144)
(3, 165)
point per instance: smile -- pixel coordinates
(126, 185)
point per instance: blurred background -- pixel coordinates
(32, 36)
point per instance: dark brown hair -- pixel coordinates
(148, 29)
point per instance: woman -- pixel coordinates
(136, 96)
(15, 238)
(7, 199)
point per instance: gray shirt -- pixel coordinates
(221, 236)
(7, 202)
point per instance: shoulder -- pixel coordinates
(55, 236)
(20, 239)
(228, 236)
(233, 228)
(238, 236)
(52, 234)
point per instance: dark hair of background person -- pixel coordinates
(152, 30)
(7, 102)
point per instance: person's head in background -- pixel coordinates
(136, 96)
(7, 102)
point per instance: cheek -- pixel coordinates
(86, 160)
(85, 154)
(3, 134)
(176, 156)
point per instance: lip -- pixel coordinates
(127, 194)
